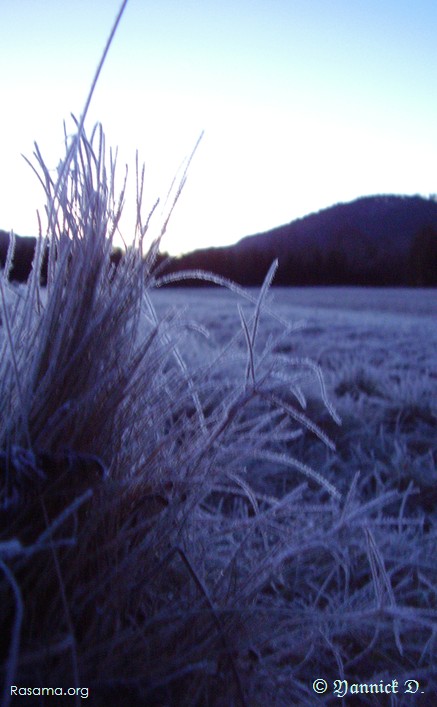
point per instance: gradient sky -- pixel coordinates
(304, 103)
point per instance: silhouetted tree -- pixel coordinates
(24, 253)
(423, 257)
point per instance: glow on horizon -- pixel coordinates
(303, 104)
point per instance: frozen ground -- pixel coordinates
(377, 349)
(317, 559)
(391, 334)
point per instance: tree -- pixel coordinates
(423, 257)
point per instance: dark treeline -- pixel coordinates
(24, 253)
(418, 268)
(373, 241)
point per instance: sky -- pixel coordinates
(303, 104)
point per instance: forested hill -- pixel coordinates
(377, 240)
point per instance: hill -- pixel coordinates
(376, 240)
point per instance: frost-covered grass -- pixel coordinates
(183, 521)
(377, 351)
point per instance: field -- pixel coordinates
(377, 350)
(211, 496)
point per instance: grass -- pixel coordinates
(181, 529)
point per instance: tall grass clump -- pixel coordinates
(161, 542)
(130, 536)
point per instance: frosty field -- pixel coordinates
(377, 349)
